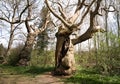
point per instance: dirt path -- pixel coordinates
(46, 78)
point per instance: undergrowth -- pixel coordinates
(90, 76)
(82, 76)
(23, 70)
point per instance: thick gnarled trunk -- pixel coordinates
(24, 56)
(64, 56)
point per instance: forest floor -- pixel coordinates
(28, 75)
(42, 75)
(45, 78)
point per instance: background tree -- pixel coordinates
(107, 48)
(1, 53)
(11, 13)
(42, 39)
(33, 31)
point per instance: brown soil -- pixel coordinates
(45, 78)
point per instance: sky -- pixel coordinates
(4, 34)
(5, 27)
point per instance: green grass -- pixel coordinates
(83, 76)
(23, 70)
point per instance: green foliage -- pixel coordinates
(23, 70)
(89, 76)
(109, 55)
(45, 58)
(14, 55)
(2, 51)
(103, 57)
(85, 59)
(42, 38)
(13, 58)
(38, 70)
(42, 41)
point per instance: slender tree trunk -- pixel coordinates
(6, 56)
(64, 56)
(95, 49)
(10, 41)
(24, 56)
(106, 24)
(118, 24)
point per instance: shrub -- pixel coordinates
(45, 58)
(14, 55)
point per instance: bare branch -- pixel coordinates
(45, 24)
(108, 9)
(60, 6)
(74, 17)
(1, 18)
(17, 26)
(79, 5)
(56, 15)
(28, 17)
(91, 30)
(77, 11)
(7, 9)
(4, 14)
(15, 22)
(86, 13)
(19, 20)
(27, 26)
(61, 10)
(14, 10)
(87, 35)
(24, 11)
(43, 27)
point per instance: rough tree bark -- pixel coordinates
(64, 55)
(10, 18)
(25, 54)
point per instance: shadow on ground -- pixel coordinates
(27, 75)
(36, 74)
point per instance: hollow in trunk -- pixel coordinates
(64, 56)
